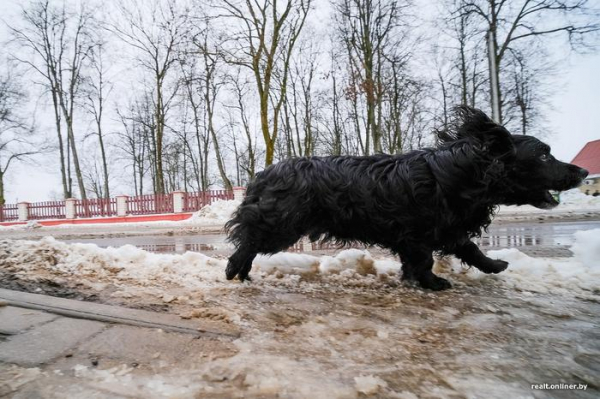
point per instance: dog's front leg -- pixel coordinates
(417, 265)
(470, 254)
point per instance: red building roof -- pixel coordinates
(589, 157)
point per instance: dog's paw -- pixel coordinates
(435, 283)
(494, 266)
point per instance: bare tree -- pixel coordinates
(212, 85)
(97, 92)
(61, 45)
(246, 161)
(335, 137)
(300, 109)
(467, 53)
(460, 78)
(269, 31)
(138, 128)
(193, 101)
(371, 31)
(156, 29)
(508, 23)
(527, 91)
(14, 133)
(93, 177)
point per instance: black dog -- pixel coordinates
(425, 201)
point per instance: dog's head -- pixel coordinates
(517, 169)
(534, 172)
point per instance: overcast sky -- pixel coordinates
(574, 121)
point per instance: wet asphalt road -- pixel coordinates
(543, 239)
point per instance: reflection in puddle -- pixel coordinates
(517, 235)
(176, 247)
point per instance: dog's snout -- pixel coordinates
(583, 173)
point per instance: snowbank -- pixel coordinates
(570, 200)
(218, 212)
(587, 248)
(578, 274)
(575, 198)
(128, 265)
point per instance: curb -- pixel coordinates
(170, 217)
(117, 314)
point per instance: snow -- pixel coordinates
(546, 275)
(570, 200)
(581, 273)
(369, 385)
(128, 265)
(218, 212)
(587, 248)
(575, 198)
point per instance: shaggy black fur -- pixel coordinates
(425, 201)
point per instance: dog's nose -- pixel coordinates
(583, 173)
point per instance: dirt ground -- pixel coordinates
(349, 335)
(342, 335)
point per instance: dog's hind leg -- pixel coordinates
(470, 254)
(240, 263)
(417, 265)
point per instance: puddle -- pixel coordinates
(542, 240)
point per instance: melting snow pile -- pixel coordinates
(575, 198)
(587, 248)
(580, 273)
(128, 266)
(218, 212)
(570, 200)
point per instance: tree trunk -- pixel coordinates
(158, 153)
(495, 94)
(211, 128)
(2, 199)
(104, 162)
(61, 149)
(264, 126)
(78, 173)
(220, 164)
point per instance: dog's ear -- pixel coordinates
(473, 125)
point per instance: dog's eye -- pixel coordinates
(545, 157)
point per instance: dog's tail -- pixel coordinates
(238, 227)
